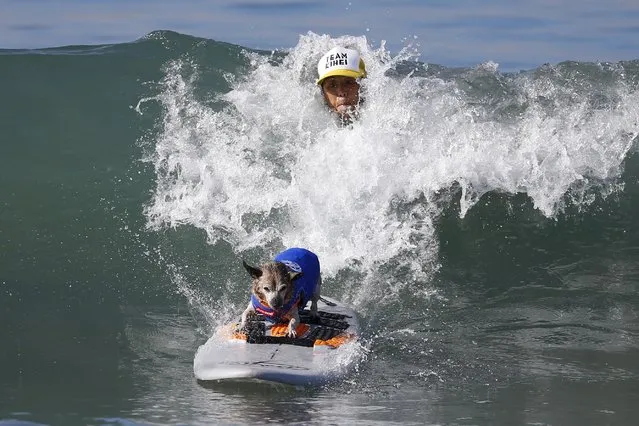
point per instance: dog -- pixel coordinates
(280, 288)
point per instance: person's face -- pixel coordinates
(341, 94)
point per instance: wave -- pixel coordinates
(258, 161)
(239, 151)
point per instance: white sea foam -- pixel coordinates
(272, 168)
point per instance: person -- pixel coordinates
(339, 71)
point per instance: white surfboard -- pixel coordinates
(324, 350)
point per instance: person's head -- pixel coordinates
(339, 71)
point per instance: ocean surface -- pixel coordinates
(482, 223)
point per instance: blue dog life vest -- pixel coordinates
(296, 260)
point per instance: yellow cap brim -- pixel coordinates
(344, 73)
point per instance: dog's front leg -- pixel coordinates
(292, 324)
(246, 313)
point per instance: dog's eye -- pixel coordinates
(266, 289)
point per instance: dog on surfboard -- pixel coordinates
(280, 288)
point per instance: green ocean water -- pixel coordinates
(482, 223)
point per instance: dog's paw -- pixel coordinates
(292, 332)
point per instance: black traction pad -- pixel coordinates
(329, 325)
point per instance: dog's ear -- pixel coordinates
(293, 275)
(253, 271)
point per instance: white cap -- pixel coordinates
(340, 61)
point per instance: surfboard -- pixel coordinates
(324, 350)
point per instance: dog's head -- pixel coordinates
(272, 283)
